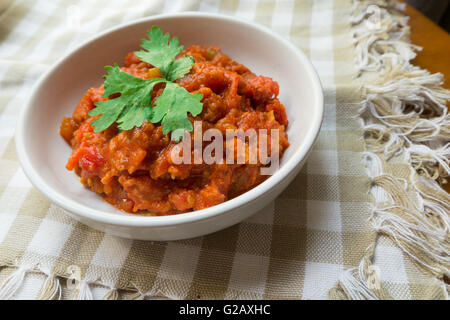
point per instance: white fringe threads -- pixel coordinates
(51, 289)
(406, 121)
(84, 291)
(13, 283)
(80, 289)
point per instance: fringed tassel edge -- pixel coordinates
(51, 289)
(404, 115)
(13, 282)
(76, 288)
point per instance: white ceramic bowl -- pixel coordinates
(43, 153)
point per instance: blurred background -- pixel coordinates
(436, 10)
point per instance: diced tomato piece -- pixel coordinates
(259, 88)
(88, 158)
(130, 59)
(91, 160)
(279, 111)
(209, 196)
(183, 200)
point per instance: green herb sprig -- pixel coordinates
(133, 106)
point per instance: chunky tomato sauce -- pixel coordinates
(133, 169)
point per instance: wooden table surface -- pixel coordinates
(435, 41)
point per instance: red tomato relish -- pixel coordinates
(133, 169)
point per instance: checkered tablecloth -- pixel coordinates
(297, 247)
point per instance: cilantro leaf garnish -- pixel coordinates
(160, 50)
(171, 109)
(179, 68)
(128, 109)
(133, 105)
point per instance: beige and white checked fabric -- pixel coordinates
(297, 247)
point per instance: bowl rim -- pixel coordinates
(128, 220)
